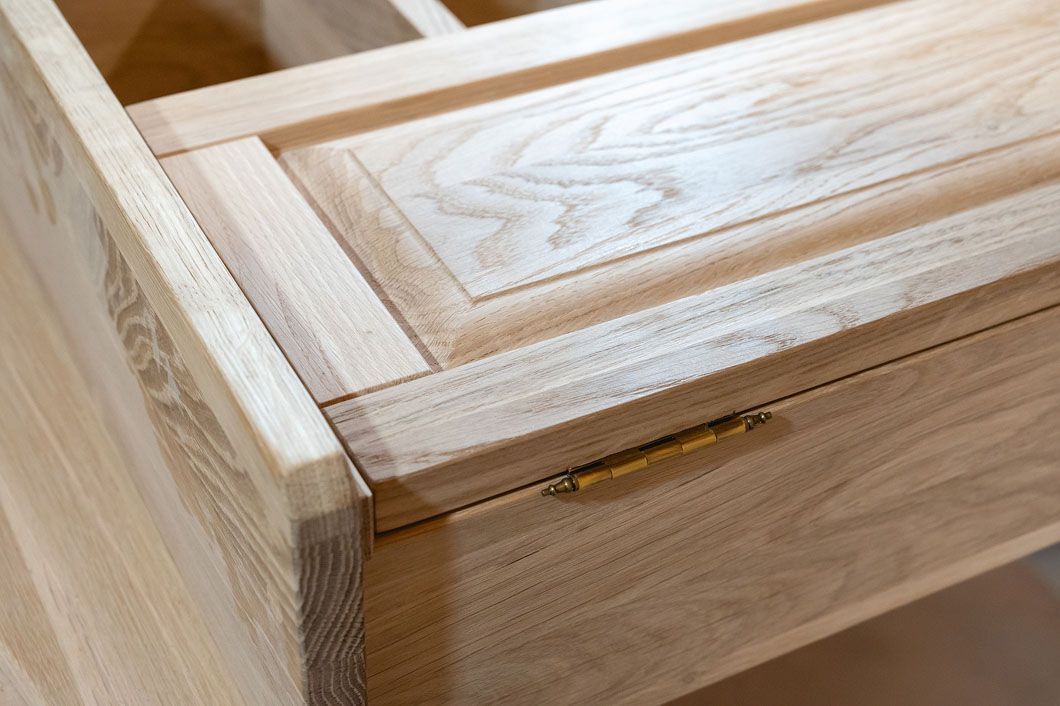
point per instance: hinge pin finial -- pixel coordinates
(566, 484)
(754, 420)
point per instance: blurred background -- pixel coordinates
(991, 641)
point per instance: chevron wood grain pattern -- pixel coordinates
(311, 103)
(558, 181)
(859, 496)
(517, 221)
(436, 274)
(457, 328)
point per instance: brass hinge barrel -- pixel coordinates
(640, 457)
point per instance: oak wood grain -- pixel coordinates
(321, 637)
(859, 496)
(457, 329)
(94, 608)
(514, 418)
(516, 221)
(308, 104)
(334, 330)
(243, 477)
(517, 192)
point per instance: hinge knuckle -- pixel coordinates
(638, 458)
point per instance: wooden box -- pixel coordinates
(585, 357)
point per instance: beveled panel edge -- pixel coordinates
(457, 329)
(541, 186)
(461, 435)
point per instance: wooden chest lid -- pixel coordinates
(482, 297)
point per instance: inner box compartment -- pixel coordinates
(152, 48)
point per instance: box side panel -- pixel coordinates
(94, 608)
(251, 491)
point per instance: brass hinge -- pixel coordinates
(640, 457)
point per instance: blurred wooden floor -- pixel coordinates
(92, 610)
(991, 641)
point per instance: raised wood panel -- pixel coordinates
(499, 207)
(457, 328)
(538, 187)
(337, 334)
(462, 435)
(249, 488)
(857, 497)
(308, 104)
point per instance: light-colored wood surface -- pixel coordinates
(94, 610)
(253, 494)
(465, 434)
(303, 31)
(583, 283)
(327, 319)
(520, 220)
(554, 182)
(456, 327)
(989, 641)
(307, 104)
(52, 80)
(859, 496)
(993, 640)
